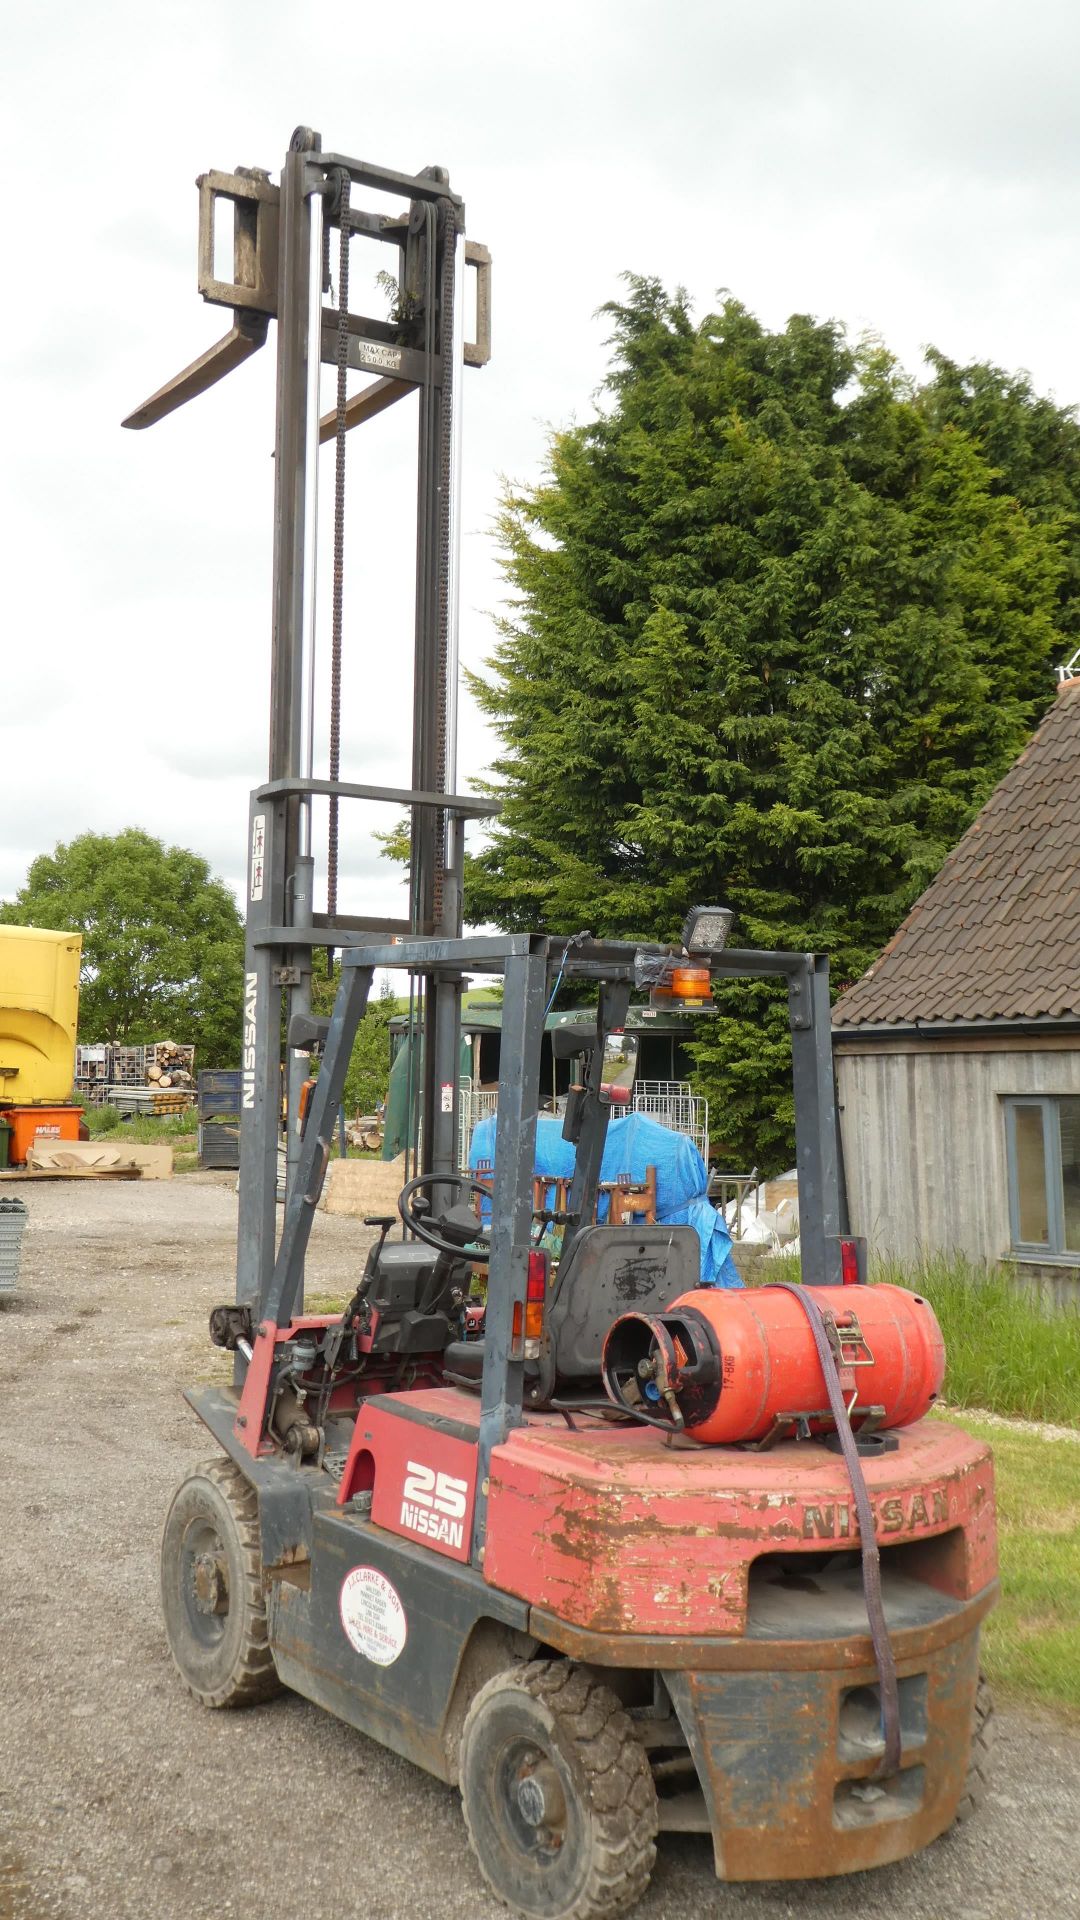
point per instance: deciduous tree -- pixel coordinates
(163, 943)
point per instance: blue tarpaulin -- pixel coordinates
(635, 1143)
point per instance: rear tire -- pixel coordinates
(558, 1798)
(980, 1764)
(212, 1590)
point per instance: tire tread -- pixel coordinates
(980, 1763)
(254, 1677)
(616, 1767)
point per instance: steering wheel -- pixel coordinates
(481, 1253)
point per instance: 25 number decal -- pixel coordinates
(426, 1488)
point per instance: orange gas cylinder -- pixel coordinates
(734, 1363)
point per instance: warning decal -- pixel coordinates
(372, 1615)
(258, 855)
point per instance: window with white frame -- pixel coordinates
(1042, 1138)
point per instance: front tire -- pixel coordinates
(980, 1764)
(212, 1591)
(558, 1798)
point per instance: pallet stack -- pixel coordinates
(154, 1101)
(13, 1217)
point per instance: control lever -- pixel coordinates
(384, 1221)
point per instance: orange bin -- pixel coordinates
(39, 1123)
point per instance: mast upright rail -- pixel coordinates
(280, 271)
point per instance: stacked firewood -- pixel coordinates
(168, 1065)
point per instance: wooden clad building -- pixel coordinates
(958, 1052)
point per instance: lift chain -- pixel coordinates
(341, 427)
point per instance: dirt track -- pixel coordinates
(120, 1797)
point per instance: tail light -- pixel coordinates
(535, 1299)
(850, 1263)
(531, 1317)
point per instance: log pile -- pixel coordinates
(163, 1067)
(167, 1065)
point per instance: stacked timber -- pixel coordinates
(163, 1068)
(167, 1065)
(153, 1101)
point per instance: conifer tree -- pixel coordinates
(777, 627)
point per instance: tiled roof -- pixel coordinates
(997, 934)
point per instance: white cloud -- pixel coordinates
(908, 168)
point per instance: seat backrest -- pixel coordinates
(609, 1271)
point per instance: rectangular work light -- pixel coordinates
(705, 929)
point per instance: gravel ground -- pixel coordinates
(119, 1796)
(1043, 1429)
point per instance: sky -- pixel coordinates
(911, 169)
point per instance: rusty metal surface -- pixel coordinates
(363, 406)
(244, 338)
(256, 204)
(615, 1531)
(748, 1560)
(733, 1653)
(478, 351)
(790, 1793)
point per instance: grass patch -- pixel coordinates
(779, 1266)
(1031, 1641)
(1007, 1351)
(102, 1121)
(178, 1130)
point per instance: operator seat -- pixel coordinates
(608, 1271)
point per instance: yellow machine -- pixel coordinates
(39, 1010)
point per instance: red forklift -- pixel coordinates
(633, 1555)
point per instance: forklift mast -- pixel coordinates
(284, 265)
(282, 256)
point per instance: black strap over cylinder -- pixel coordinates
(871, 1558)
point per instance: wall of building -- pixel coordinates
(924, 1141)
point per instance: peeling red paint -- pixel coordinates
(593, 1525)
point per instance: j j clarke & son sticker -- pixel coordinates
(372, 1615)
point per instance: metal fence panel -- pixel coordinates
(669, 1102)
